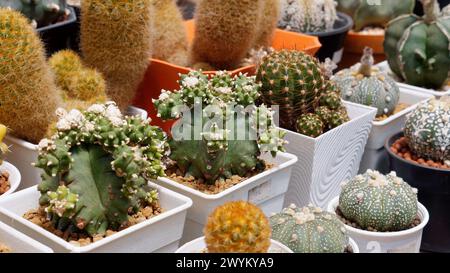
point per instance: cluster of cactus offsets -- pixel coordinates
(169, 39)
(310, 125)
(418, 48)
(268, 22)
(379, 202)
(116, 40)
(296, 83)
(308, 16)
(3, 147)
(28, 94)
(237, 227)
(222, 150)
(96, 168)
(365, 84)
(367, 13)
(427, 130)
(41, 12)
(309, 230)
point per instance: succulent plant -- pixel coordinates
(365, 84)
(96, 168)
(237, 227)
(28, 94)
(378, 202)
(309, 230)
(41, 12)
(268, 23)
(3, 147)
(418, 49)
(427, 130)
(310, 125)
(219, 148)
(308, 16)
(367, 13)
(116, 40)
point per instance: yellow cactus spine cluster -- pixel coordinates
(3, 148)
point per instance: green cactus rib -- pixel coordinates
(42, 12)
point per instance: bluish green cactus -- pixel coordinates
(41, 12)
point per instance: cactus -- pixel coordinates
(427, 130)
(115, 40)
(96, 168)
(268, 24)
(28, 94)
(40, 12)
(225, 31)
(213, 153)
(366, 13)
(237, 227)
(170, 39)
(3, 147)
(418, 49)
(309, 230)
(310, 125)
(379, 202)
(366, 84)
(308, 16)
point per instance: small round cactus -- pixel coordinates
(378, 202)
(237, 227)
(310, 125)
(309, 230)
(331, 100)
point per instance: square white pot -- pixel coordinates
(158, 234)
(266, 190)
(24, 153)
(324, 162)
(19, 242)
(14, 177)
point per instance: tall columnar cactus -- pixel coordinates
(379, 202)
(237, 227)
(28, 94)
(227, 144)
(41, 12)
(3, 147)
(116, 40)
(309, 230)
(367, 13)
(169, 39)
(225, 31)
(268, 24)
(428, 130)
(418, 49)
(366, 84)
(308, 15)
(96, 168)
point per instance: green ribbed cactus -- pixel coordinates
(428, 130)
(379, 202)
(41, 12)
(96, 168)
(309, 230)
(310, 125)
(28, 94)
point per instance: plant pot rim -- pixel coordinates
(348, 24)
(423, 212)
(24, 238)
(70, 20)
(364, 35)
(391, 140)
(13, 172)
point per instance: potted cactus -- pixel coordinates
(236, 227)
(324, 132)
(95, 186)
(223, 147)
(9, 175)
(317, 18)
(381, 213)
(421, 155)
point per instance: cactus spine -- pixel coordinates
(28, 94)
(41, 12)
(3, 147)
(268, 23)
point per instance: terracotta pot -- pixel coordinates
(354, 46)
(164, 75)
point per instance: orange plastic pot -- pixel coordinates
(354, 46)
(163, 75)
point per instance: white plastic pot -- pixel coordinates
(198, 246)
(324, 162)
(266, 190)
(24, 153)
(14, 177)
(20, 243)
(158, 234)
(406, 241)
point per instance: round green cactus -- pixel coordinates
(379, 202)
(310, 125)
(309, 230)
(41, 12)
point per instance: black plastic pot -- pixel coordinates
(59, 36)
(333, 41)
(434, 193)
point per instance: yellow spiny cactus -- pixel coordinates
(3, 148)
(268, 23)
(237, 227)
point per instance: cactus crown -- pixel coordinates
(41, 12)
(237, 227)
(3, 148)
(379, 202)
(96, 168)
